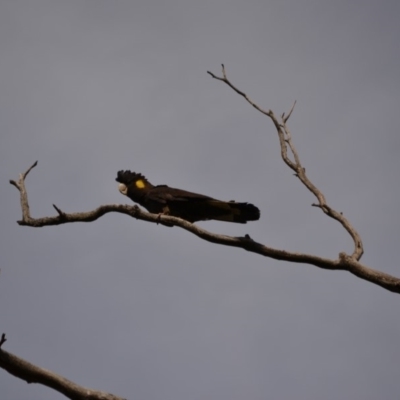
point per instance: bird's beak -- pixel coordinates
(123, 189)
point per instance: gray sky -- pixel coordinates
(146, 312)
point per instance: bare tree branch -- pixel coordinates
(285, 139)
(33, 374)
(344, 262)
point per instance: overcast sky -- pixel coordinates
(149, 312)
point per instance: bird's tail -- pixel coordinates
(232, 211)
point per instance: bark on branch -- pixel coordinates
(33, 374)
(343, 262)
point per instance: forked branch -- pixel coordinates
(286, 143)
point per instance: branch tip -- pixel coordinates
(12, 182)
(223, 71)
(285, 119)
(60, 213)
(25, 174)
(3, 339)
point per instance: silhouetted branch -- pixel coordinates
(33, 374)
(344, 262)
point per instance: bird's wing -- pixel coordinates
(164, 193)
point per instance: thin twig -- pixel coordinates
(285, 119)
(225, 80)
(3, 339)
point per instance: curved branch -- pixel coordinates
(344, 262)
(33, 374)
(285, 140)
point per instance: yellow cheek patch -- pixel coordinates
(140, 184)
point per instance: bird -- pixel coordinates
(192, 207)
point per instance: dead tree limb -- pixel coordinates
(33, 374)
(285, 140)
(344, 261)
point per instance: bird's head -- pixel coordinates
(132, 184)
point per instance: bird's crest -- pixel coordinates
(128, 177)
